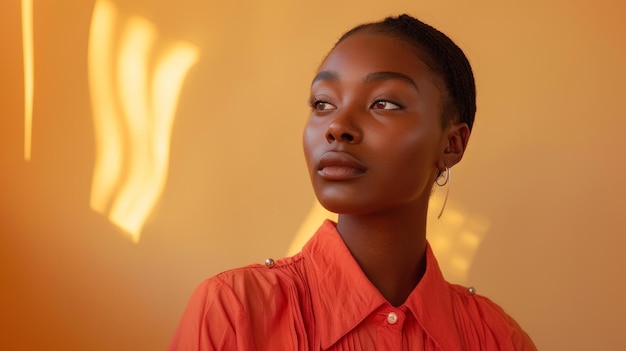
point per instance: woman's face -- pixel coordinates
(374, 138)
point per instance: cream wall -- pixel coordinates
(537, 203)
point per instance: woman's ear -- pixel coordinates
(454, 142)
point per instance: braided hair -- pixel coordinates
(441, 55)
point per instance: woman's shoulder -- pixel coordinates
(487, 321)
(242, 307)
(259, 279)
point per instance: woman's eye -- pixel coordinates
(385, 105)
(322, 106)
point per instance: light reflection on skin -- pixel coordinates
(454, 238)
(134, 97)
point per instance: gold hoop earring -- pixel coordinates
(446, 175)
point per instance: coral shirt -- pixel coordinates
(320, 299)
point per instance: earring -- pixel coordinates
(446, 175)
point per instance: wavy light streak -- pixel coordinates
(135, 91)
(29, 74)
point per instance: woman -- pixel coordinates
(392, 107)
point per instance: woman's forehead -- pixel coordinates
(378, 51)
(364, 53)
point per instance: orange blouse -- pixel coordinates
(320, 299)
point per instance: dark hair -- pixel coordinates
(441, 55)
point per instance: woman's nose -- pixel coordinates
(343, 129)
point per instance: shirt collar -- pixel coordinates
(431, 302)
(342, 296)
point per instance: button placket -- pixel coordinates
(390, 328)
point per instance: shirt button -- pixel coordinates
(392, 318)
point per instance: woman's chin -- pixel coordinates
(342, 207)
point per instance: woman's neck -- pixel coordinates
(390, 249)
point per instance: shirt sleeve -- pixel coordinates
(210, 319)
(520, 340)
(504, 328)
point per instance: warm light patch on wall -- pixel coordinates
(29, 74)
(135, 91)
(311, 223)
(454, 238)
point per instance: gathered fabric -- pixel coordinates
(320, 299)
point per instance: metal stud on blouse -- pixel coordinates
(471, 290)
(269, 262)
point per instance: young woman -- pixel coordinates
(392, 107)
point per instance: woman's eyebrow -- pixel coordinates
(386, 75)
(326, 75)
(370, 78)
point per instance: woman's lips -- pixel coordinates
(339, 173)
(336, 165)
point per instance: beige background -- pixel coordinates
(541, 187)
